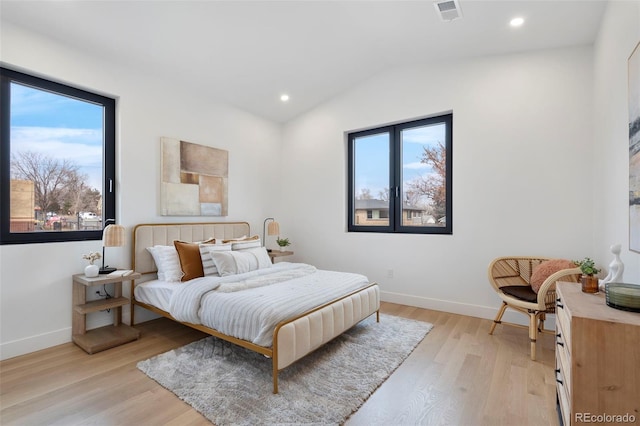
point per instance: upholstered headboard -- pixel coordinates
(148, 235)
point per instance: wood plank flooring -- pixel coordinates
(458, 375)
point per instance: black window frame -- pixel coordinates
(7, 76)
(395, 178)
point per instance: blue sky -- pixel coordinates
(59, 127)
(372, 157)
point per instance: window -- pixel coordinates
(401, 173)
(57, 161)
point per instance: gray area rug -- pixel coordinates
(231, 385)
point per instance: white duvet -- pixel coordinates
(249, 306)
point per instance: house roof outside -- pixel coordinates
(373, 204)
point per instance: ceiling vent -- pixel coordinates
(448, 10)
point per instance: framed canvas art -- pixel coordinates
(634, 150)
(195, 179)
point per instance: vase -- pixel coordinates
(589, 283)
(282, 248)
(91, 271)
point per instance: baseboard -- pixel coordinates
(34, 343)
(478, 311)
(58, 337)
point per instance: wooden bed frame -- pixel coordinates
(293, 338)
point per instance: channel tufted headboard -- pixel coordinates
(148, 235)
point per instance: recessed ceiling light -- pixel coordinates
(516, 22)
(284, 97)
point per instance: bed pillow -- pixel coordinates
(547, 268)
(190, 260)
(230, 240)
(167, 262)
(239, 262)
(246, 243)
(208, 265)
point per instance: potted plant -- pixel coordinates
(283, 242)
(589, 281)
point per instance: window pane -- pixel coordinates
(400, 177)
(371, 180)
(424, 175)
(56, 151)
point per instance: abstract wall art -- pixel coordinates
(195, 179)
(634, 150)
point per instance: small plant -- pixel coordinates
(587, 266)
(283, 242)
(92, 256)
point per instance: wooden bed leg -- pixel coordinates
(275, 378)
(378, 315)
(132, 307)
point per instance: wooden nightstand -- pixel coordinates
(276, 253)
(102, 338)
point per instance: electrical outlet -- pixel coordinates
(389, 273)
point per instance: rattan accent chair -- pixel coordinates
(511, 279)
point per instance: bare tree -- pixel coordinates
(383, 194)
(52, 177)
(77, 196)
(412, 197)
(365, 194)
(434, 184)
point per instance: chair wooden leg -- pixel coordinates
(498, 317)
(541, 322)
(533, 333)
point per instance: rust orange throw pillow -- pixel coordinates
(190, 260)
(547, 268)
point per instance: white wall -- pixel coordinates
(619, 35)
(35, 279)
(540, 167)
(522, 150)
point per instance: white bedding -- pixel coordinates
(156, 293)
(249, 306)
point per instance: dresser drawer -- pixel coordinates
(563, 399)
(563, 322)
(563, 364)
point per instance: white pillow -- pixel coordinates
(239, 262)
(208, 264)
(245, 245)
(167, 262)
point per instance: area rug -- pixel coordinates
(231, 385)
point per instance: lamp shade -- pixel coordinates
(273, 228)
(113, 236)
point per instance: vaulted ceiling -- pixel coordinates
(248, 53)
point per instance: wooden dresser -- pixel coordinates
(597, 359)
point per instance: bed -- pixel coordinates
(288, 333)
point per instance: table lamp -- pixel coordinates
(272, 229)
(112, 236)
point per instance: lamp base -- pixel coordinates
(106, 270)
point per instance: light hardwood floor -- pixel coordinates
(458, 375)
